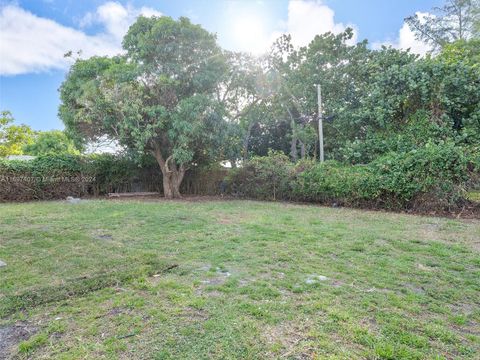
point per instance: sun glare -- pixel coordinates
(249, 33)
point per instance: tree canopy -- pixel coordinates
(175, 94)
(456, 20)
(52, 142)
(158, 98)
(13, 137)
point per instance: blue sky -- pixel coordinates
(35, 34)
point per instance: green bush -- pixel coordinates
(57, 176)
(431, 176)
(435, 170)
(333, 182)
(266, 178)
(428, 177)
(414, 133)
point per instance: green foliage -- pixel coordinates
(462, 51)
(371, 94)
(414, 133)
(432, 174)
(428, 177)
(51, 143)
(409, 105)
(342, 70)
(13, 137)
(263, 177)
(58, 176)
(156, 99)
(435, 170)
(449, 91)
(331, 181)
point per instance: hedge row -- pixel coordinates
(432, 177)
(56, 177)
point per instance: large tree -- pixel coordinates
(371, 94)
(158, 98)
(339, 68)
(244, 92)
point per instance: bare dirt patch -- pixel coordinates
(289, 336)
(184, 198)
(226, 220)
(12, 335)
(438, 231)
(232, 218)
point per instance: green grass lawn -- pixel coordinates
(236, 279)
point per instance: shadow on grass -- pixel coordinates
(79, 286)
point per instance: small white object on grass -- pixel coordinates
(2, 263)
(73, 200)
(312, 279)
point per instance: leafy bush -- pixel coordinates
(414, 133)
(429, 177)
(333, 182)
(437, 170)
(58, 176)
(266, 177)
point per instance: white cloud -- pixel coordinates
(29, 43)
(305, 19)
(406, 40)
(116, 18)
(309, 18)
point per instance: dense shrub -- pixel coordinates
(414, 133)
(435, 170)
(266, 177)
(58, 176)
(429, 177)
(333, 182)
(42, 178)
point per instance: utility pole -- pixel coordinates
(320, 122)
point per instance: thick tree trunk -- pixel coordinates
(172, 175)
(167, 187)
(172, 179)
